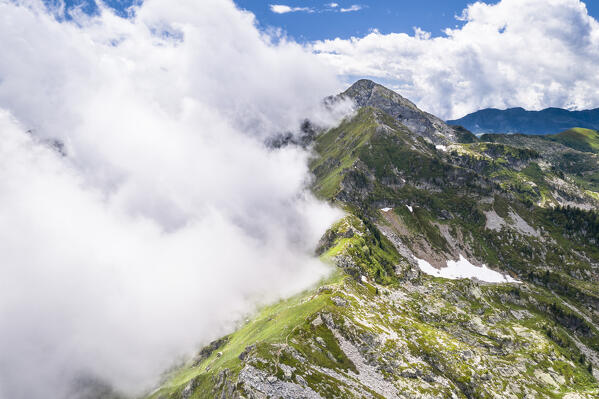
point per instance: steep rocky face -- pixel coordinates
(366, 93)
(525, 326)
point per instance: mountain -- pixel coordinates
(519, 120)
(464, 268)
(366, 93)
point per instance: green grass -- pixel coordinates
(272, 324)
(336, 150)
(388, 167)
(502, 153)
(372, 254)
(373, 139)
(580, 139)
(589, 181)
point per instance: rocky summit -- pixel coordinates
(366, 93)
(465, 267)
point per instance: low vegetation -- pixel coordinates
(379, 327)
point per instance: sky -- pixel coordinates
(309, 20)
(450, 57)
(319, 20)
(141, 214)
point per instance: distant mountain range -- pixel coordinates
(519, 120)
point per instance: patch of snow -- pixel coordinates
(462, 268)
(386, 209)
(441, 147)
(410, 208)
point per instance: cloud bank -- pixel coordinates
(529, 53)
(140, 213)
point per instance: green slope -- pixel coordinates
(417, 335)
(579, 139)
(379, 328)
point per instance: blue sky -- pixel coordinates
(327, 22)
(387, 16)
(321, 21)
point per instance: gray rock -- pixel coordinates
(339, 301)
(366, 93)
(260, 385)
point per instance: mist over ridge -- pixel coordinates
(142, 215)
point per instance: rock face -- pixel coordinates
(366, 93)
(380, 327)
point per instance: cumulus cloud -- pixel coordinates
(284, 9)
(529, 53)
(141, 215)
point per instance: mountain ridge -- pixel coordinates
(518, 120)
(368, 93)
(380, 327)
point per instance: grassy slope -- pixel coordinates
(584, 140)
(579, 139)
(338, 149)
(272, 324)
(456, 342)
(577, 169)
(277, 323)
(352, 133)
(426, 324)
(458, 201)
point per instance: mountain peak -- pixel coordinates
(365, 90)
(366, 93)
(365, 83)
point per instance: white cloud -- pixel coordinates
(283, 9)
(529, 53)
(354, 7)
(167, 219)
